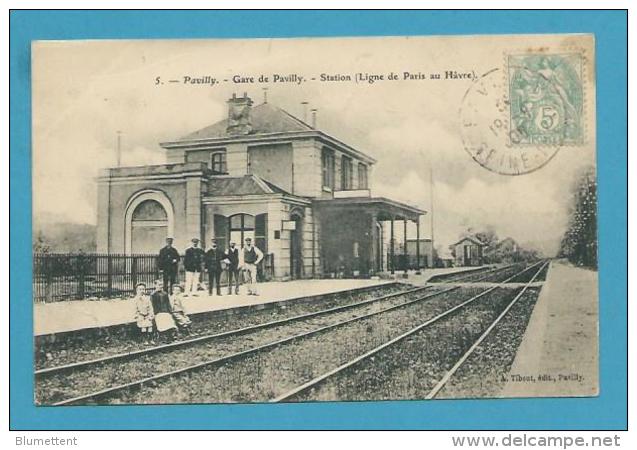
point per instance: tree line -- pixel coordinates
(579, 243)
(500, 250)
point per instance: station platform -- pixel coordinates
(66, 316)
(426, 274)
(559, 354)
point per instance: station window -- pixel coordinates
(241, 227)
(221, 230)
(362, 177)
(346, 173)
(218, 162)
(327, 158)
(149, 211)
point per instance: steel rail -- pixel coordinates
(208, 337)
(228, 358)
(445, 379)
(321, 378)
(236, 332)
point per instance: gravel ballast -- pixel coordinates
(526, 277)
(486, 371)
(263, 376)
(412, 367)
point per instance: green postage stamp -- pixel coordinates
(546, 99)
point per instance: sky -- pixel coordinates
(84, 92)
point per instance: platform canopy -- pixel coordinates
(382, 208)
(352, 231)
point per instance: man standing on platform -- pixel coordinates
(168, 262)
(252, 256)
(192, 263)
(232, 260)
(213, 266)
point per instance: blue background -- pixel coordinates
(608, 411)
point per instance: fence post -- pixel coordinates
(48, 279)
(109, 276)
(80, 264)
(134, 271)
(155, 261)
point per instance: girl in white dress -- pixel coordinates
(144, 314)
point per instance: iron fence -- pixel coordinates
(75, 276)
(409, 262)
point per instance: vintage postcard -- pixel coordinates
(316, 219)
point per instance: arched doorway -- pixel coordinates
(149, 227)
(149, 220)
(296, 246)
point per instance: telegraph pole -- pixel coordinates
(431, 207)
(119, 148)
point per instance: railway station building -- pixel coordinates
(301, 194)
(469, 251)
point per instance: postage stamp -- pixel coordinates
(515, 120)
(486, 130)
(546, 105)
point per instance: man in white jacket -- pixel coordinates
(251, 256)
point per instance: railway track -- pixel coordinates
(450, 373)
(370, 308)
(300, 391)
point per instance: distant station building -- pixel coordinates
(301, 194)
(469, 251)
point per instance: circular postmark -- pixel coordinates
(517, 125)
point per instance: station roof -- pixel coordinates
(269, 124)
(266, 119)
(245, 185)
(473, 239)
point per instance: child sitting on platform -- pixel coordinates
(178, 311)
(163, 312)
(144, 314)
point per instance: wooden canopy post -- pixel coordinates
(391, 245)
(418, 246)
(405, 255)
(381, 249)
(373, 237)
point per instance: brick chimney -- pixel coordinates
(239, 115)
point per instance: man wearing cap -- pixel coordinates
(192, 263)
(251, 257)
(168, 262)
(213, 259)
